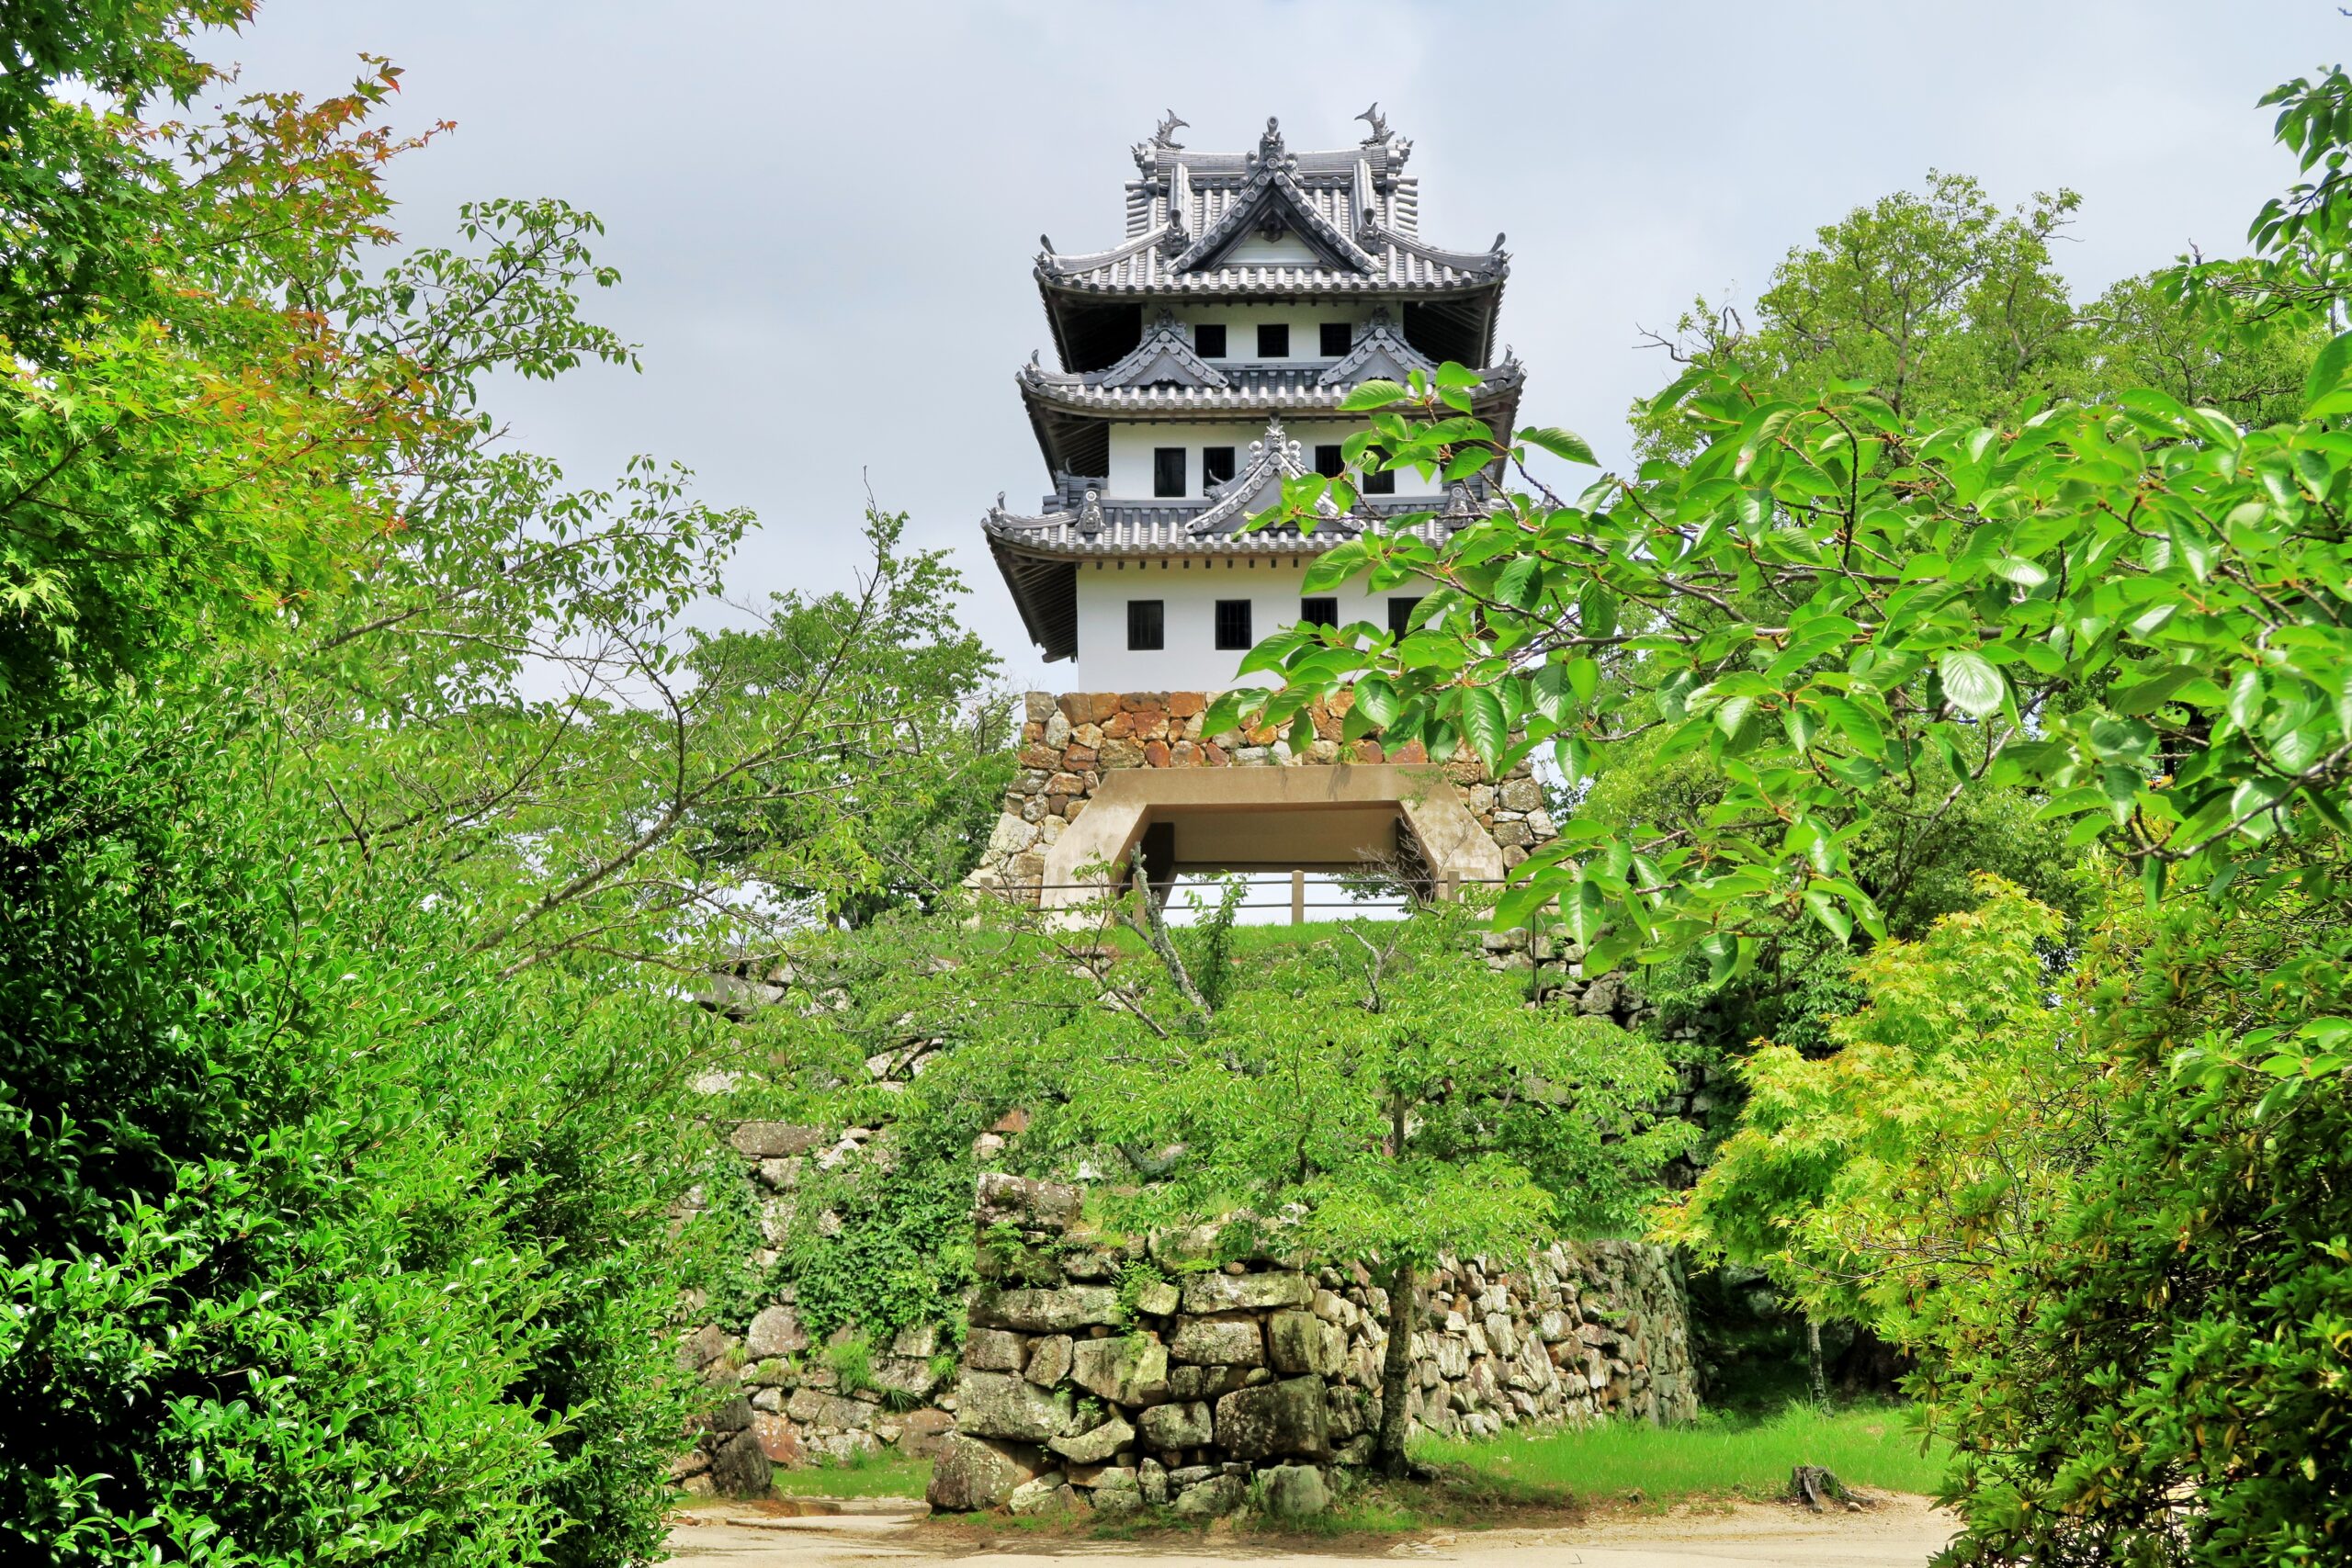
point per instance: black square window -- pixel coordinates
(1319, 611)
(1378, 481)
(1216, 464)
(1208, 340)
(1168, 470)
(1328, 463)
(1232, 623)
(1400, 614)
(1336, 339)
(1146, 625)
(1274, 340)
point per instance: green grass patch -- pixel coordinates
(1873, 1446)
(888, 1475)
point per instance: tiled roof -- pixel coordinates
(1040, 557)
(1190, 209)
(1084, 527)
(1163, 376)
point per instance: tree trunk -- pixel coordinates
(1812, 1358)
(1397, 1372)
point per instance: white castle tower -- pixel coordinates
(1199, 362)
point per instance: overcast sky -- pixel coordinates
(825, 215)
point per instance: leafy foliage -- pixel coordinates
(2129, 606)
(338, 1128)
(264, 1171)
(903, 1254)
(1373, 1092)
(905, 808)
(2111, 1229)
(2102, 1204)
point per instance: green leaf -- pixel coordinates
(1376, 699)
(2147, 696)
(1520, 583)
(2328, 368)
(1827, 911)
(1482, 721)
(1372, 394)
(1565, 445)
(1974, 686)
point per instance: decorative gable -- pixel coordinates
(1382, 354)
(1273, 457)
(1271, 205)
(1164, 358)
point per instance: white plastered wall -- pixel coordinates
(1132, 446)
(1189, 591)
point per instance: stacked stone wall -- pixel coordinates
(1109, 1375)
(1070, 742)
(778, 1399)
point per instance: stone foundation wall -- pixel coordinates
(778, 1400)
(1109, 1375)
(1070, 742)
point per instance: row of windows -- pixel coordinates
(1167, 465)
(1274, 340)
(1147, 620)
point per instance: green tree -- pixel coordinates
(922, 759)
(1373, 1093)
(335, 1148)
(2130, 608)
(2102, 1207)
(1947, 307)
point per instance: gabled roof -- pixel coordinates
(1382, 354)
(1189, 211)
(1164, 358)
(1163, 380)
(1273, 457)
(1040, 557)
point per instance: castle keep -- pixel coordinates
(1198, 363)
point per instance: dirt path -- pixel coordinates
(1900, 1533)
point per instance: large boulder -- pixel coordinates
(1276, 1420)
(1026, 1203)
(776, 1331)
(740, 1468)
(1212, 1499)
(998, 1404)
(969, 1474)
(1218, 1342)
(994, 1351)
(1048, 1361)
(1294, 1491)
(1044, 1311)
(1169, 1427)
(922, 1433)
(1129, 1369)
(1245, 1293)
(814, 1407)
(1049, 1494)
(1301, 1342)
(1096, 1445)
(774, 1140)
(778, 1439)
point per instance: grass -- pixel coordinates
(888, 1475)
(1511, 1480)
(1870, 1446)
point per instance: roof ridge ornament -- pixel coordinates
(1164, 134)
(1271, 157)
(1090, 513)
(1379, 123)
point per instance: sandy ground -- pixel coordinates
(1899, 1533)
